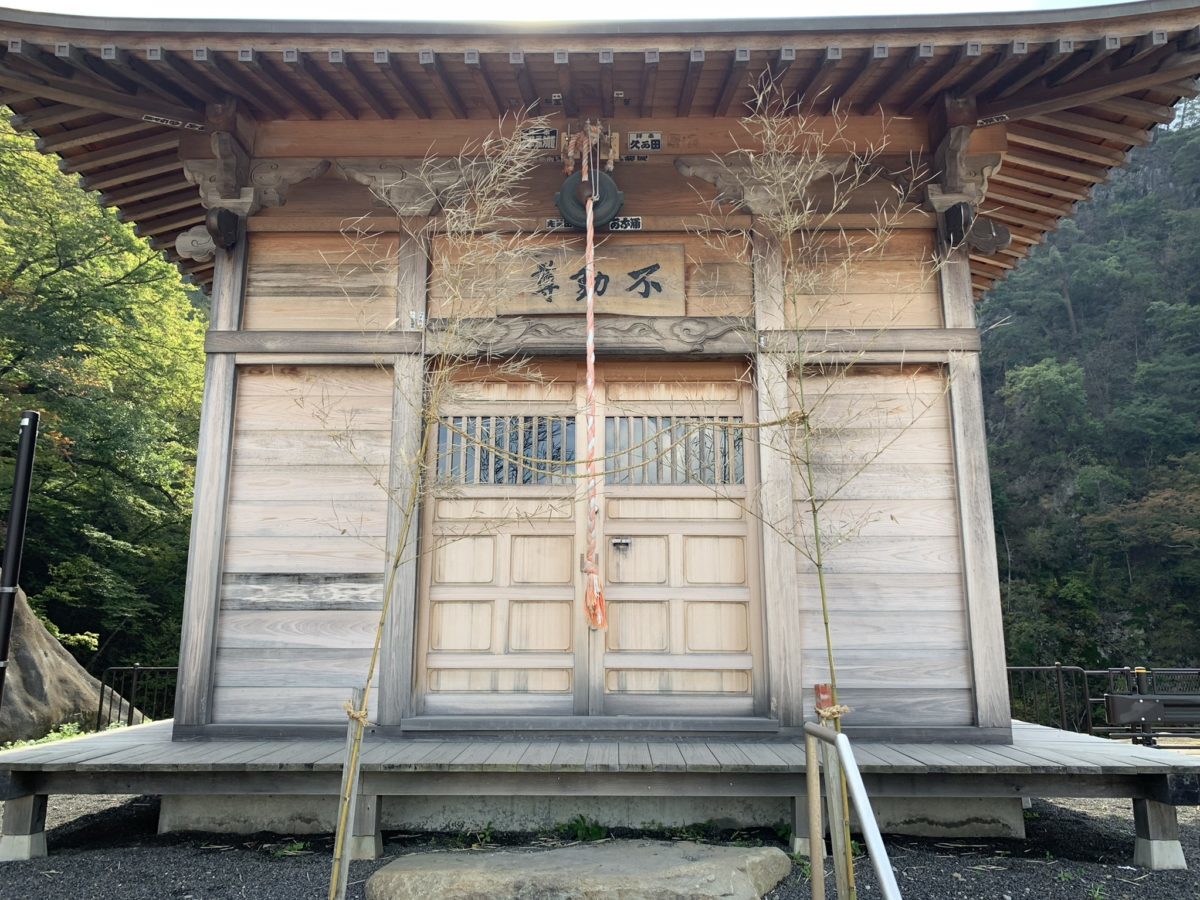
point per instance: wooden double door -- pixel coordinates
(501, 625)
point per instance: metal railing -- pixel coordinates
(837, 759)
(1073, 698)
(131, 695)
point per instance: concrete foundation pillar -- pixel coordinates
(366, 837)
(1157, 843)
(24, 828)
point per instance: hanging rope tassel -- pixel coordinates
(593, 591)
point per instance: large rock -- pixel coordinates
(45, 686)
(648, 870)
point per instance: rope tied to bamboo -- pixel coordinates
(358, 715)
(833, 713)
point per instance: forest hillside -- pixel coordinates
(1091, 355)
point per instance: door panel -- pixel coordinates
(502, 625)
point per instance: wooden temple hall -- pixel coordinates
(394, 439)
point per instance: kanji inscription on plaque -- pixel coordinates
(631, 279)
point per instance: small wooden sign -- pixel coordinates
(631, 279)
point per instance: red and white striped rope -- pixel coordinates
(593, 595)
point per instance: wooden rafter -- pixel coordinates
(166, 140)
(45, 116)
(91, 134)
(1093, 88)
(185, 198)
(942, 76)
(1041, 139)
(142, 74)
(649, 82)
(529, 96)
(265, 69)
(735, 80)
(898, 76)
(872, 58)
(1014, 215)
(124, 105)
(437, 75)
(325, 83)
(177, 222)
(982, 80)
(998, 193)
(566, 87)
(1046, 60)
(360, 83)
(240, 85)
(1160, 113)
(1097, 51)
(143, 168)
(173, 69)
(1047, 184)
(37, 59)
(691, 80)
(90, 67)
(483, 83)
(817, 85)
(141, 191)
(1101, 128)
(401, 84)
(607, 100)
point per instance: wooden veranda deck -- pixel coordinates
(1041, 762)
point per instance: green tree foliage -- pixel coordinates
(98, 333)
(1092, 383)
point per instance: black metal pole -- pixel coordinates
(14, 542)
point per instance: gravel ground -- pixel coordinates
(105, 848)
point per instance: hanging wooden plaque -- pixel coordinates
(631, 279)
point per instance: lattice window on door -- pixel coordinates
(506, 450)
(674, 450)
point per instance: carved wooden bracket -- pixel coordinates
(963, 177)
(231, 180)
(410, 187)
(738, 182)
(195, 243)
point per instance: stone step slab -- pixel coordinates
(609, 870)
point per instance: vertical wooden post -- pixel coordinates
(783, 633)
(202, 595)
(981, 577)
(408, 382)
